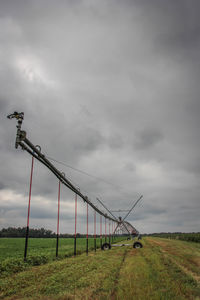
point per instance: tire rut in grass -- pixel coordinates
(113, 294)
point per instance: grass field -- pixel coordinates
(162, 269)
(40, 251)
(14, 247)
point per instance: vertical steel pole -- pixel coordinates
(115, 231)
(75, 224)
(57, 237)
(112, 231)
(95, 245)
(101, 231)
(105, 231)
(87, 233)
(109, 231)
(28, 215)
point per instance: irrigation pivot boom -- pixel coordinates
(35, 152)
(25, 144)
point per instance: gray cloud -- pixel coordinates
(148, 138)
(2, 186)
(111, 88)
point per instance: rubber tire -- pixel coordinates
(106, 246)
(137, 245)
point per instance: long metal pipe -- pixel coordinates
(41, 157)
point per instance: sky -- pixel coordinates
(110, 88)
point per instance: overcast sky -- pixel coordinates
(108, 87)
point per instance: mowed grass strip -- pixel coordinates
(120, 273)
(185, 254)
(150, 274)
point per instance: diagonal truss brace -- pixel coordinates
(125, 223)
(122, 223)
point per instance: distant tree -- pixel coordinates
(21, 232)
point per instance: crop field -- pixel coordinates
(40, 251)
(162, 269)
(14, 247)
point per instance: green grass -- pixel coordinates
(153, 275)
(14, 247)
(152, 272)
(40, 251)
(186, 254)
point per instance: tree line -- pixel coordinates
(19, 232)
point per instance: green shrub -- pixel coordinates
(15, 265)
(37, 260)
(12, 265)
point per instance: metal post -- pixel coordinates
(101, 231)
(95, 246)
(75, 224)
(105, 231)
(87, 233)
(115, 231)
(28, 215)
(109, 232)
(57, 237)
(112, 231)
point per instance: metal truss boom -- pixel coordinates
(26, 145)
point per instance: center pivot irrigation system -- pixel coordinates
(119, 225)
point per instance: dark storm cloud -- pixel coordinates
(148, 138)
(2, 186)
(115, 141)
(109, 87)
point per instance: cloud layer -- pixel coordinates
(111, 88)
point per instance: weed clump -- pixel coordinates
(15, 265)
(11, 265)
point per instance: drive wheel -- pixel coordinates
(106, 246)
(137, 245)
